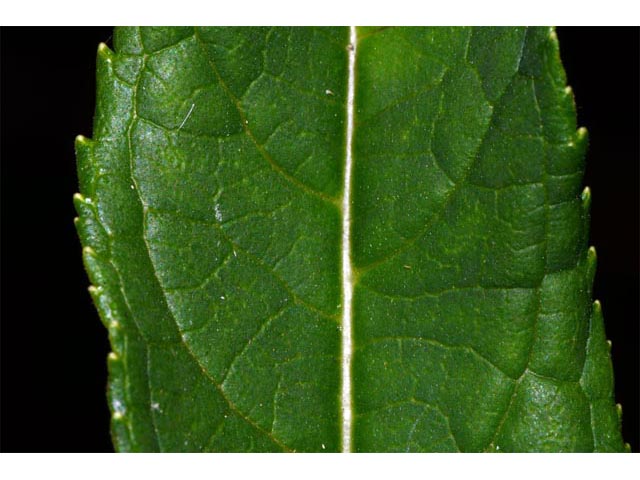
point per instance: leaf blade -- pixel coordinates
(212, 212)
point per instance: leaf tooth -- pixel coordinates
(107, 309)
(84, 152)
(579, 141)
(84, 205)
(99, 273)
(90, 229)
(82, 144)
(114, 363)
(81, 141)
(592, 262)
(581, 138)
(120, 425)
(585, 205)
(105, 52)
(117, 398)
(597, 307)
(586, 198)
(121, 429)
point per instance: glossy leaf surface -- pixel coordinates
(211, 215)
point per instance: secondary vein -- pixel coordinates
(347, 273)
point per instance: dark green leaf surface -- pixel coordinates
(211, 215)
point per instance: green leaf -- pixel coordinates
(440, 300)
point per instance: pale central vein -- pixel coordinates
(347, 273)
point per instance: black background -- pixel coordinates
(53, 346)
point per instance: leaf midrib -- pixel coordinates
(347, 266)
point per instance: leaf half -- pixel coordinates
(451, 311)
